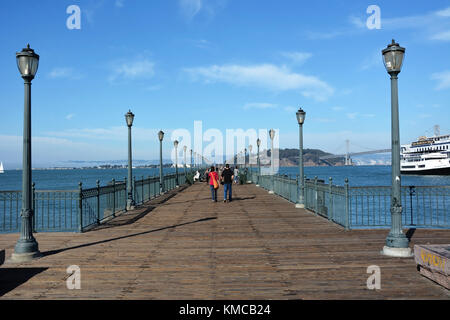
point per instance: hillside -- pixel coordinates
(289, 157)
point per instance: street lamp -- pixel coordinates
(272, 136)
(250, 160)
(191, 161)
(26, 248)
(258, 144)
(245, 158)
(161, 178)
(397, 244)
(129, 117)
(184, 149)
(301, 119)
(175, 144)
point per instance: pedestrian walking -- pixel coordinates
(207, 175)
(236, 174)
(213, 183)
(227, 179)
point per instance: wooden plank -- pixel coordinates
(187, 247)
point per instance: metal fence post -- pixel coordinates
(142, 188)
(80, 206)
(33, 206)
(347, 211)
(305, 190)
(330, 198)
(98, 201)
(113, 181)
(316, 198)
(149, 190)
(133, 187)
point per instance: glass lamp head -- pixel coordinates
(393, 57)
(161, 135)
(27, 62)
(301, 116)
(129, 117)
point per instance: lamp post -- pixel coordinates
(301, 119)
(249, 161)
(191, 161)
(258, 144)
(161, 178)
(175, 144)
(397, 244)
(129, 117)
(245, 158)
(26, 248)
(272, 136)
(184, 149)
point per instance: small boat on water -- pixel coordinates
(1, 168)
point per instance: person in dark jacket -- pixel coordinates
(227, 179)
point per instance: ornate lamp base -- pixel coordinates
(24, 257)
(397, 252)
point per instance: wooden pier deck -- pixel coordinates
(187, 247)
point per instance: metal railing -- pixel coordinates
(78, 210)
(363, 207)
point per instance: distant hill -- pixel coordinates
(290, 157)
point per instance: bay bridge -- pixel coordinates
(348, 155)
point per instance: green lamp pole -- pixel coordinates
(184, 149)
(191, 161)
(258, 144)
(161, 178)
(175, 144)
(272, 136)
(129, 117)
(301, 192)
(250, 147)
(26, 248)
(397, 244)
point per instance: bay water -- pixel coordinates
(69, 179)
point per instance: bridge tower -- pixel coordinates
(437, 130)
(348, 160)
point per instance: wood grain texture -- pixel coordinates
(187, 247)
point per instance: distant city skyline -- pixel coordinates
(230, 64)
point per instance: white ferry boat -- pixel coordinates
(426, 156)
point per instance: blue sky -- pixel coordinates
(231, 64)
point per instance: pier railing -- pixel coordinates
(80, 209)
(363, 207)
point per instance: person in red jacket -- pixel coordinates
(213, 176)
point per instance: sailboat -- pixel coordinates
(1, 168)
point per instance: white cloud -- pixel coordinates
(443, 79)
(64, 73)
(118, 133)
(290, 109)
(355, 115)
(352, 115)
(444, 12)
(441, 36)
(190, 8)
(70, 116)
(130, 70)
(259, 105)
(297, 57)
(266, 76)
(357, 21)
(206, 8)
